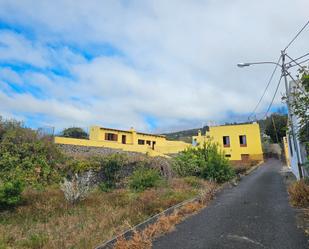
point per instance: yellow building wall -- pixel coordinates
(286, 151)
(251, 131)
(97, 139)
(172, 147)
(98, 134)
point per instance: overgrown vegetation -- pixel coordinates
(299, 193)
(207, 162)
(47, 221)
(26, 159)
(276, 127)
(144, 178)
(51, 200)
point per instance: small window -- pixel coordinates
(227, 155)
(194, 142)
(226, 141)
(148, 142)
(111, 137)
(141, 141)
(243, 141)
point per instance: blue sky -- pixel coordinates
(154, 65)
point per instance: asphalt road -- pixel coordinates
(255, 214)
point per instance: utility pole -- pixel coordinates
(290, 114)
(275, 128)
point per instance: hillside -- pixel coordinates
(185, 135)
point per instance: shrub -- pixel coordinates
(207, 162)
(188, 163)
(10, 193)
(24, 155)
(110, 167)
(74, 132)
(299, 193)
(79, 166)
(144, 178)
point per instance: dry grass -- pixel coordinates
(46, 220)
(299, 197)
(299, 194)
(166, 223)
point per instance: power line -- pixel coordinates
(304, 61)
(294, 60)
(301, 57)
(296, 35)
(272, 101)
(299, 87)
(270, 79)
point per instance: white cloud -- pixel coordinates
(16, 48)
(177, 60)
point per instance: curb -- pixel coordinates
(139, 227)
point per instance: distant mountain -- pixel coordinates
(185, 135)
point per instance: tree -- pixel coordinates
(300, 105)
(276, 127)
(74, 132)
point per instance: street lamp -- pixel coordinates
(284, 72)
(257, 63)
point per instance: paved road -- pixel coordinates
(255, 214)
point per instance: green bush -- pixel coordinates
(74, 132)
(188, 163)
(207, 162)
(10, 193)
(144, 178)
(110, 167)
(24, 155)
(74, 165)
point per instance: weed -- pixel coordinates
(144, 178)
(299, 194)
(35, 241)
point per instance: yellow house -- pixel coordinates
(240, 142)
(127, 140)
(286, 151)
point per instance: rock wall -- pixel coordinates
(133, 159)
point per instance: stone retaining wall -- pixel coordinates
(133, 159)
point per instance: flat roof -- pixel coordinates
(141, 133)
(234, 124)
